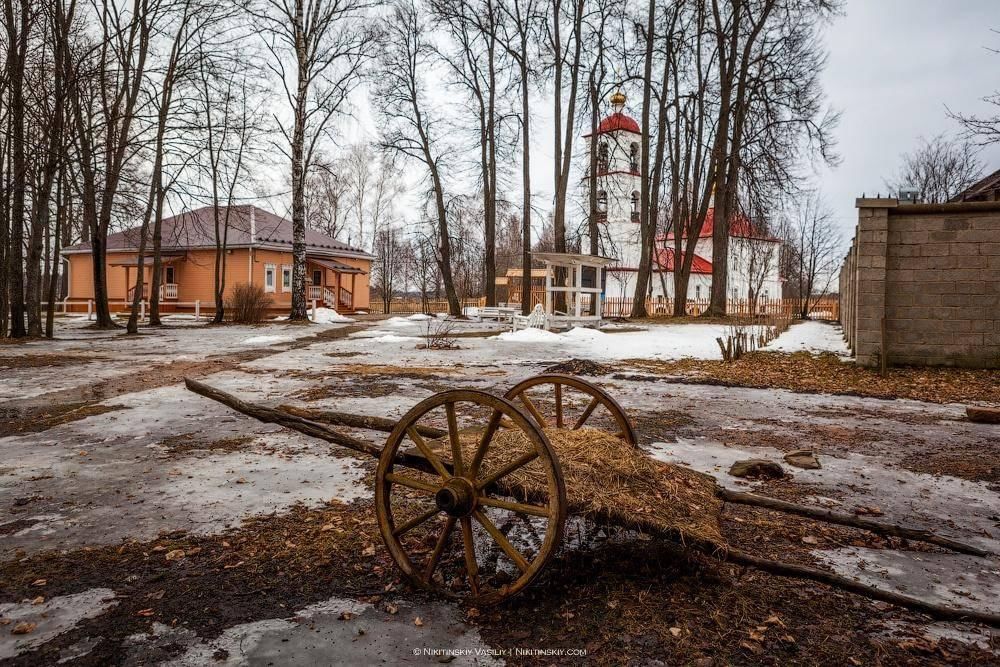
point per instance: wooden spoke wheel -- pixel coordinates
(450, 508)
(566, 401)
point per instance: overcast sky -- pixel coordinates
(893, 67)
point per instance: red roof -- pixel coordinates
(618, 121)
(665, 259)
(740, 226)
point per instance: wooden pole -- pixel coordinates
(844, 519)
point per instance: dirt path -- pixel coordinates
(39, 413)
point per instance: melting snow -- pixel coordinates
(811, 337)
(265, 340)
(51, 618)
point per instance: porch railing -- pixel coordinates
(167, 291)
(314, 292)
(346, 298)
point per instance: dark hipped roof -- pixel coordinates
(196, 229)
(985, 189)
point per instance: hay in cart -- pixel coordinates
(611, 482)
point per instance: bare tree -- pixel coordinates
(326, 200)
(815, 250)
(228, 107)
(984, 129)
(411, 130)
(19, 17)
(372, 185)
(388, 250)
(520, 27)
(770, 105)
(478, 65)
(105, 93)
(318, 49)
(939, 168)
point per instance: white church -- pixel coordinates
(753, 257)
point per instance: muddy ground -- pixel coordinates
(142, 524)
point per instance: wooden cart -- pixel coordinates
(436, 455)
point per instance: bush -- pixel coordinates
(247, 304)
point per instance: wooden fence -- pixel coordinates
(827, 308)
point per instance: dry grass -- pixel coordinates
(827, 373)
(612, 482)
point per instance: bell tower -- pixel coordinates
(617, 147)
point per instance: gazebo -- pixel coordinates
(578, 278)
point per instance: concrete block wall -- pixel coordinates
(921, 284)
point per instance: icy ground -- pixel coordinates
(117, 475)
(813, 337)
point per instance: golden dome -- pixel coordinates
(618, 99)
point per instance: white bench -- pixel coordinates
(496, 313)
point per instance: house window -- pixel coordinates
(635, 206)
(269, 270)
(603, 161)
(286, 279)
(602, 205)
(736, 294)
(697, 291)
(317, 277)
(765, 295)
(168, 275)
(633, 157)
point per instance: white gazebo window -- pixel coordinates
(269, 270)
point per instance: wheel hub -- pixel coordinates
(457, 497)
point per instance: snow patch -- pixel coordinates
(393, 338)
(329, 316)
(529, 336)
(265, 340)
(51, 618)
(810, 336)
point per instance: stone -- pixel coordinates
(760, 468)
(803, 458)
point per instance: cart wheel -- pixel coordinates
(566, 401)
(448, 523)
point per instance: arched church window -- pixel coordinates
(633, 157)
(602, 205)
(635, 206)
(603, 161)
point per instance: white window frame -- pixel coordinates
(270, 271)
(286, 269)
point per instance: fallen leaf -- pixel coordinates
(676, 632)
(176, 554)
(145, 612)
(23, 628)
(809, 539)
(391, 608)
(39, 582)
(241, 480)
(369, 550)
(38, 600)
(326, 527)
(345, 616)
(418, 622)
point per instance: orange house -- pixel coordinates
(258, 251)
